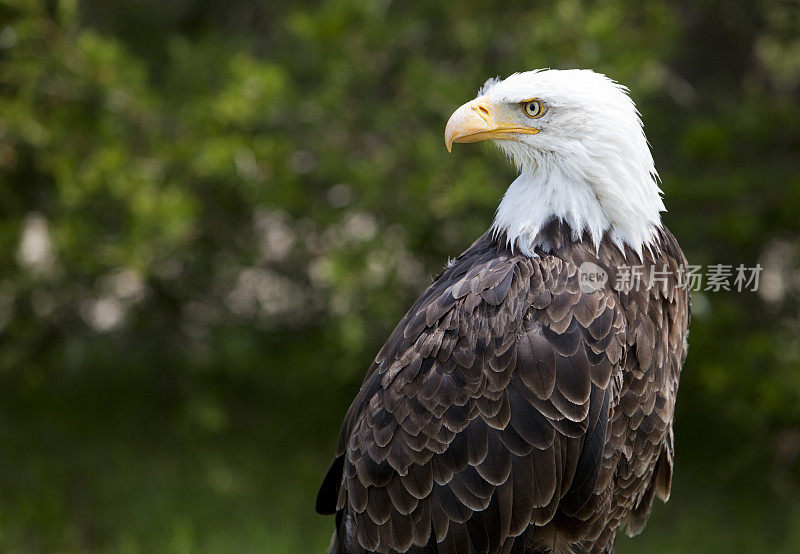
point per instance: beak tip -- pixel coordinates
(469, 123)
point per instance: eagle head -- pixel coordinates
(577, 139)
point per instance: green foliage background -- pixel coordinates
(214, 212)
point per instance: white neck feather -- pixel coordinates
(592, 194)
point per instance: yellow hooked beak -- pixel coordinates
(476, 121)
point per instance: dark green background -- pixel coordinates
(213, 213)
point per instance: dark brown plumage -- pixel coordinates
(511, 412)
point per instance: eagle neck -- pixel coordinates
(536, 198)
(546, 192)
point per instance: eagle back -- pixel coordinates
(509, 409)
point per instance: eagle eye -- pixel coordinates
(533, 108)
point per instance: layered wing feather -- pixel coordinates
(489, 420)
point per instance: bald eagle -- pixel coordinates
(515, 408)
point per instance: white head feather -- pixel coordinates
(589, 165)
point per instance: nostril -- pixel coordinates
(482, 110)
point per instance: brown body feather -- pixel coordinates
(511, 412)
